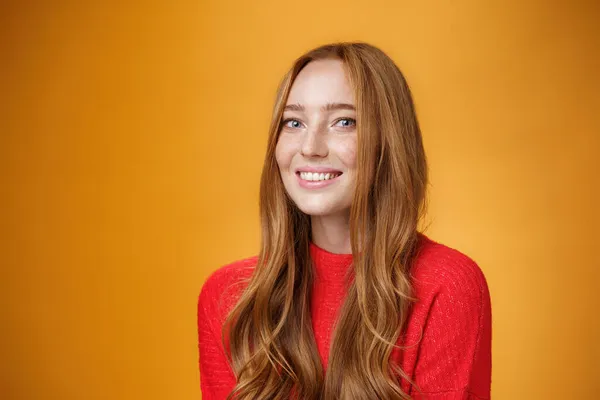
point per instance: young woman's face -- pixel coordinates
(316, 149)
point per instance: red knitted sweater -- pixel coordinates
(452, 317)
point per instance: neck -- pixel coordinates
(332, 233)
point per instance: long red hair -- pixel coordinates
(272, 346)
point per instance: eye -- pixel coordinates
(346, 122)
(292, 123)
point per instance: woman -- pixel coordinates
(346, 299)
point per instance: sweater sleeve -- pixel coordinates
(454, 359)
(216, 377)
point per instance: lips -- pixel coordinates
(319, 170)
(316, 176)
(317, 180)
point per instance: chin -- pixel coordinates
(318, 209)
(315, 211)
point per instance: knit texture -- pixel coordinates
(448, 331)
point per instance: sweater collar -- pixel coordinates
(330, 266)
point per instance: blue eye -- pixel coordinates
(292, 123)
(346, 122)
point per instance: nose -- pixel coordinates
(314, 144)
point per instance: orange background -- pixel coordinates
(131, 143)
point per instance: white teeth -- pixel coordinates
(314, 176)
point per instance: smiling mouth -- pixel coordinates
(316, 177)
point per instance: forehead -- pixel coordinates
(321, 82)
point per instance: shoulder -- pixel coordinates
(223, 286)
(439, 269)
(451, 322)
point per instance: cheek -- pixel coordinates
(284, 152)
(347, 152)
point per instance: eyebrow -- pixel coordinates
(326, 107)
